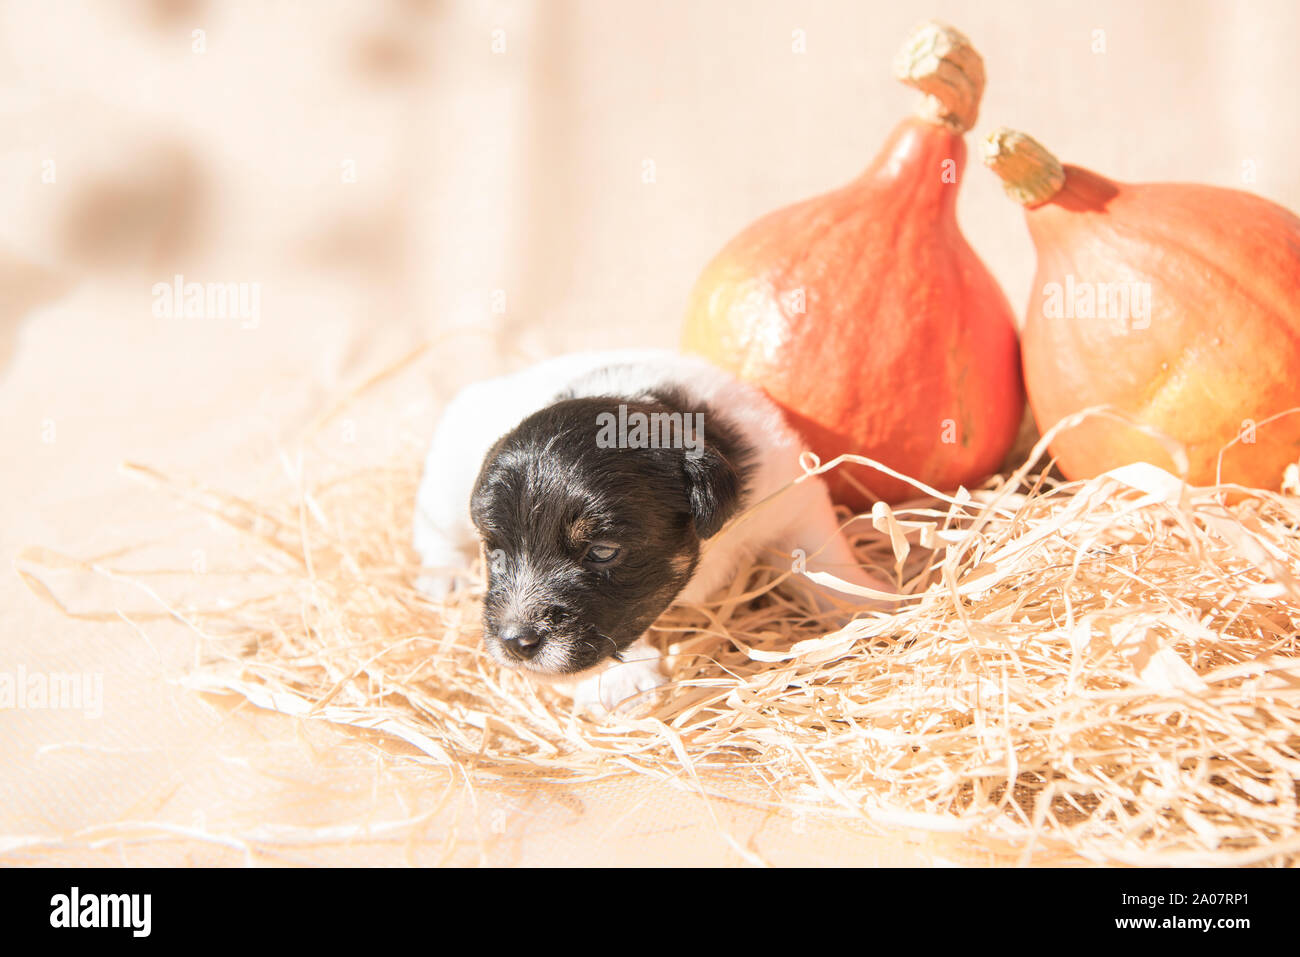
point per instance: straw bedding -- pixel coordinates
(1104, 671)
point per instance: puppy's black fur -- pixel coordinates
(547, 492)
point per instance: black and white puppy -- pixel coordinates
(599, 485)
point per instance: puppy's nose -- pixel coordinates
(519, 640)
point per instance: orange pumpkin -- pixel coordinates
(866, 315)
(1177, 304)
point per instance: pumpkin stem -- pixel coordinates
(1030, 174)
(940, 62)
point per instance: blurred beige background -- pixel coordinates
(508, 180)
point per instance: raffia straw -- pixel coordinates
(1103, 670)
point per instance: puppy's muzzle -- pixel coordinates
(519, 641)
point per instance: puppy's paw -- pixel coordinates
(604, 692)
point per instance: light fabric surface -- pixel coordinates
(511, 181)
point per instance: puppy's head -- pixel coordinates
(588, 541)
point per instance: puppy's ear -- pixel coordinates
(713, 489)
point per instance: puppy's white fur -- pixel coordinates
(802, 518)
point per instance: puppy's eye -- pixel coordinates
(602, 553)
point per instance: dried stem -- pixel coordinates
(940, 62)
(1030, 174)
